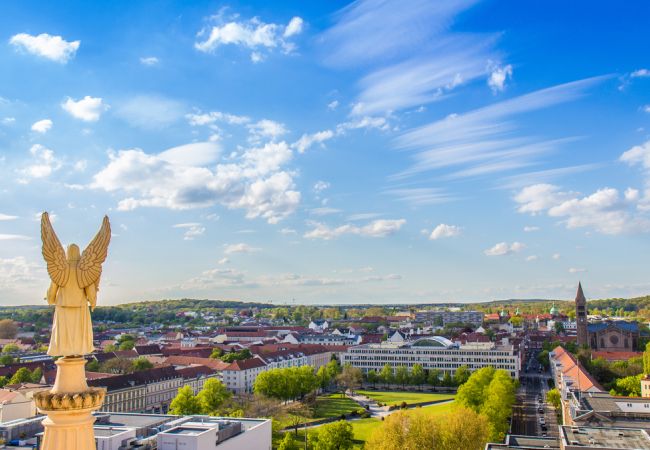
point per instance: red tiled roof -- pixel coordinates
(571, 368)
(214, 364)
(245, 364)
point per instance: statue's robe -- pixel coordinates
(72, 331)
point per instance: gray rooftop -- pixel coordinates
(606, 438)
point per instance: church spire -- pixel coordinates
(580, 296)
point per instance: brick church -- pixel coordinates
(610, 335)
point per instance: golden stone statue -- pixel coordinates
(75, 281)
(74, 286)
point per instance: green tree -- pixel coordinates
(127, 345)
(472, 393)
(37, 375)
(5, 360)
(8, 329)
(287, 442)
(92, 365)
(372, 377)
(216, 353)
(3, 381)
(10, 348)
(447, 380)
(386, 374)
(22, 375)
(497, 406)
(141, 363)
(461, 375)
(185, 403)
(646, 359)
(350, 378)
(433, 378)
(110, 348)
(418, 377)
(554, 398)
(402, 375)
(628, 386)
(212, 397)
(323, 377)
(333, 436)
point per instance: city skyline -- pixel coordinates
(330, 152)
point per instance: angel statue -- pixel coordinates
(74, 286)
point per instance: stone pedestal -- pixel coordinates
(69, 406)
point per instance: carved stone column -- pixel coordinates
(69, 407)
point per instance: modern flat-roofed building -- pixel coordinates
(446, 317)
(200, 433)
(434, 352)
(607, 438)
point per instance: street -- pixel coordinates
(527, 419)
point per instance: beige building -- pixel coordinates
(17, 401)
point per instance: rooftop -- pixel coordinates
(605, 438)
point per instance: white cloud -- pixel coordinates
(320, 186)
(150, 111)
(8, 120)
(362, 216)
(483, 141)
(530, 229)
(4, 217)
(576, 270)
(43, 164)
(503, 248)
(223, 261)
(556, 256)
(255, 35)
(498, 77)
(42, 126)
(149, 60)
(230, 249)
(199, 118)
(54, 48)
(366, 122)
(376, 229)
(606, 211)
(640, 73)
(333, 105)
(288, 231)
(254, 181)
(14, 237)
(532, 258)
(307, 140)
(192, 230)
(88, 109)
(420, 196)
(16, 272)
(445, 231)
(294, 27)
(266, 129)
(195, 154)
(646, 108)
(324, 211)
(81, 165)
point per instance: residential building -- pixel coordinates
(434, 352)
(17, 401)
(446, 317)
(239, 376)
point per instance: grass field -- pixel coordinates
(333, 405)
(363, 428)
(395, 398)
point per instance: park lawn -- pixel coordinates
(363, 428)
(333, 405)
(396, 397)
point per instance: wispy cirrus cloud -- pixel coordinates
(375, 229)
(484, 141)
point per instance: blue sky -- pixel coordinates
(328, 152)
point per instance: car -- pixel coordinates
(543, 434)
(540, 410)
(542, 421)
(543, 427)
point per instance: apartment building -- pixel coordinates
(446, 317)
(434, 352)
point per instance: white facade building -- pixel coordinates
(222, 434)
(434, 352)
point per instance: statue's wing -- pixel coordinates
(89, 268)
(57, 265)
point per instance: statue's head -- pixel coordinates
(73, 253)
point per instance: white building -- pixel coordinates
(220, 433)
(431, 316)
(434, 352)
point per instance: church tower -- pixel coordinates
(581, 317)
